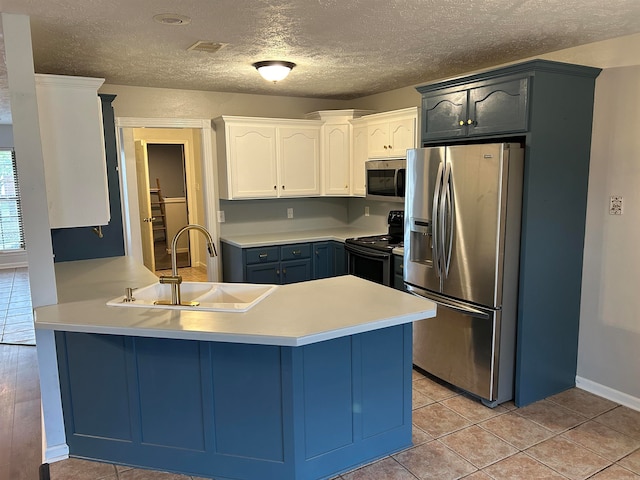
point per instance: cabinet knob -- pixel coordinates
(461, 123)
(283, 187)
(284, 271)
(469, 122)
(277, 272)
(385, 147)
(390, 147)
(275, 187)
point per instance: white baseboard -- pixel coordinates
(179, 250)
(608, 393)
(56, 453)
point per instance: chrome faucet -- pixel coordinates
(174, 279)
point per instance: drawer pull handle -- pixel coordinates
(296, 252)
(263, 255)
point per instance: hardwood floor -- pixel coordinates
(20, 429)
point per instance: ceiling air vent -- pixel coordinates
(204, 46)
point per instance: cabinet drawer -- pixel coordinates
(262, 255)
(295, 251)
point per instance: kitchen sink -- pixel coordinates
(202, 296)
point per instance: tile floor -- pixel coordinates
(16, 314)
(573, 435)
(188, 274)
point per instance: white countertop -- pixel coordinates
(282, 238)
(294, 315)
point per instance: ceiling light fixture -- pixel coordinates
(274, 70)
(172, 19)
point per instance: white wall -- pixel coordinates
(609, 345)
(166, 103)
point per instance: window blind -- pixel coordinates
(11, 229)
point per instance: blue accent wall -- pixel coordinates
(81, 243)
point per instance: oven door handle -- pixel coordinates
(366, 252)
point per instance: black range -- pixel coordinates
(370, 257)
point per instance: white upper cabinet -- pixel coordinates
(336, 158)
(267, 158)
(71, 130)
(390, 134)
(322, 155)
(360, 153)
(299, 160)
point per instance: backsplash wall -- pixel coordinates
(247, 217)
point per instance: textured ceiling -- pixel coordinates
(343, 48)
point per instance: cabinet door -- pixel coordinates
(339, 259)
(263, 273)
(322, 260)
(73, 150)
(360, 155)
(293, 271)
(499, 108)
(251, 151)
(299, 155)
(442, 114)
(398, 272)
(402, 134)
(378, 140)
(336, 157)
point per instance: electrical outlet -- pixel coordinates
(366, 211)
(615, 205)
(289, 212)
(220, 216)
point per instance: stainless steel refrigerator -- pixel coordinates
(462, 240)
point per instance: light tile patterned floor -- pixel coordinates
(16, 313)
(573, 435)
(188, 274)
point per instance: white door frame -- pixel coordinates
(128, 187)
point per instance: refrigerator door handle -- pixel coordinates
(434, 222)
(459, 307)
(449, 206)
(442, 221)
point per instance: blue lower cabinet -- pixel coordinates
(293, 271)
(264, 273)
(398, 272)
(237, 411)
(283, 264)
(329, 259)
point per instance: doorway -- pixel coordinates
(168, 193)
(181, 190)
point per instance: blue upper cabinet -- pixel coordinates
(548, 108)
(483, 108)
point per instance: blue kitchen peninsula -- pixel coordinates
(312, 381)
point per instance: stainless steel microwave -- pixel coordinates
(385, 179)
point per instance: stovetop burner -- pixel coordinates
(379, 242)
(388, 241)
